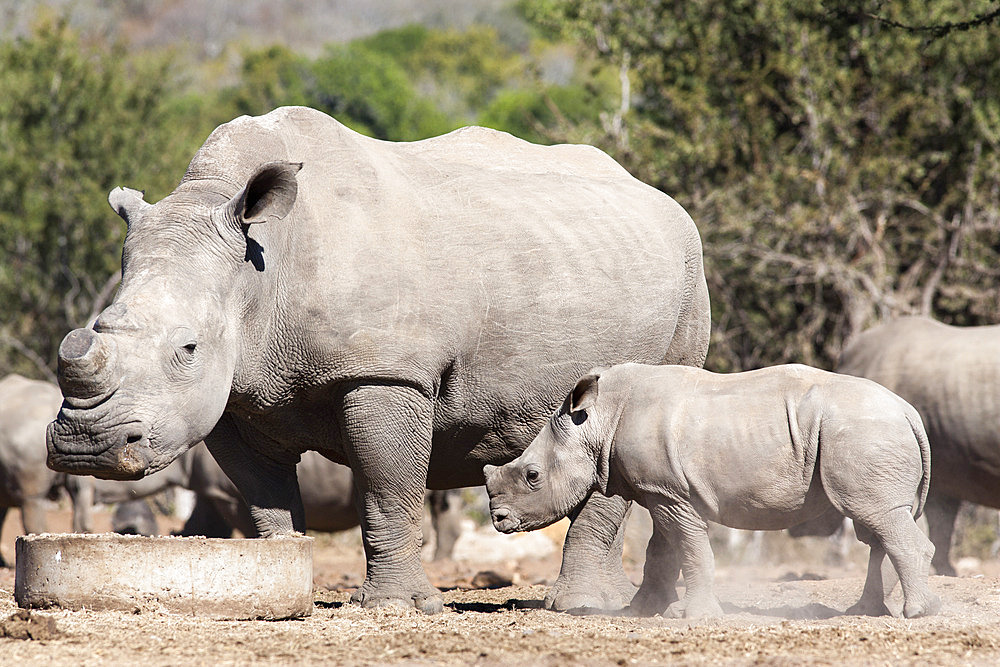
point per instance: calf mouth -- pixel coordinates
(504, 520)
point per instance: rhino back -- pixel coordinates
(951, 375)
(743, 447)
(486, 271)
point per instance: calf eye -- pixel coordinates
(189, 348)
(531, 476)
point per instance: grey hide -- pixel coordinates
(26, 407)
(760, 450)
(951, 375)
(413, 310)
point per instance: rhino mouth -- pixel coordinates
(505, 521)
(123, 453)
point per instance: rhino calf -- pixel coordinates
(760, 450)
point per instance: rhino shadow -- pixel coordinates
(810, 612)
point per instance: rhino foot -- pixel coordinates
(650, 602)
(609, 593)
(929, 606)
(427, 601)
(868, 607)
(702, 607)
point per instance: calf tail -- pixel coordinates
(917, 425)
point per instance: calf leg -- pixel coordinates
(387, 438)
(592, 574)
(910, 553)
(879, 583)
(696, 560)
(659, 576)
(941, 512)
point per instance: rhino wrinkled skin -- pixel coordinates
(952, 377)
(760, 450)
(413, 310)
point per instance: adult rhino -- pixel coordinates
(414, 310)
(26, 406)
(951, 375)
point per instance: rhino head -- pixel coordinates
(557, 471)
(152, 376)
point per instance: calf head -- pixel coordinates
(152, 376)
(557, 471)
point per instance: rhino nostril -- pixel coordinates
(500, 515)
(135, 435)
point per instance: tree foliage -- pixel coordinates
(841, 170)
(74, 122)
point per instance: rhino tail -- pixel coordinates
(917, 425)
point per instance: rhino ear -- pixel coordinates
(268, 195)
(127, 203)
(584, 394)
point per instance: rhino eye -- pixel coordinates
(189, 348)
(531, 476)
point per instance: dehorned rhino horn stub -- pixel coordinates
(87, 364)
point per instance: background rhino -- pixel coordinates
(414, 310)
(951, 375)
(327, 490)
(26, 408)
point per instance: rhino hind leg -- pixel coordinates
(387, 436)
(896, 534)
(879, 583)
(941, 512)
(592, 575)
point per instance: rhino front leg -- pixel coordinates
(387, 438)
(270, 487)
(697, 561)
(592, 574)
(659, 576)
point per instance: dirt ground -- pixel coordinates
(784, 605)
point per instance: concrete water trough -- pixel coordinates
(216, 578)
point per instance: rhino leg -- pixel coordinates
(910, 552)
(81, 493)
(697, 561)
(33, 515)
(659, 576)
(941, 512)
(270, 487)
(3, 517)
(446, 518)
(206, 520)
(880, 581)
(592, 574)
(387, 438)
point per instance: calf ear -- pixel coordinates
(269, 194)
(127, 203)
(584, 394)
